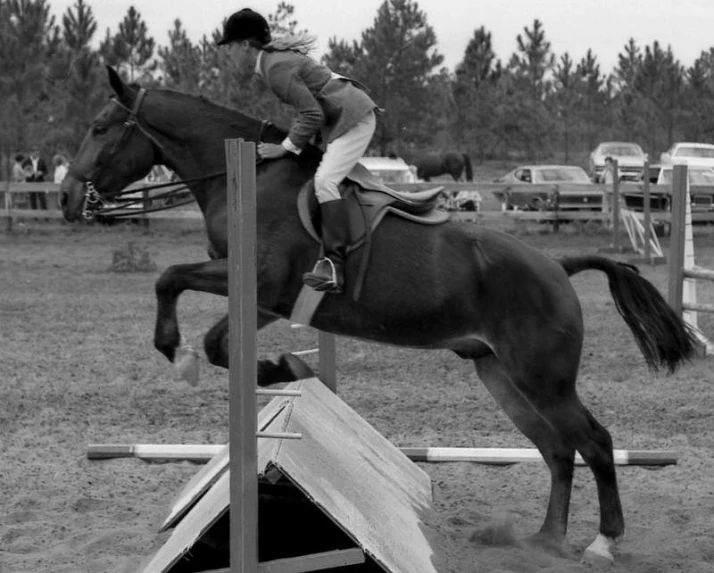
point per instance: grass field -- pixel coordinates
(77, 366)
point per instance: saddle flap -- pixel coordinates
(366, 209)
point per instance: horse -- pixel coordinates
(478, 292)
(453, 163)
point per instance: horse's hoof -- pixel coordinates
(186, 364)
(599, 552)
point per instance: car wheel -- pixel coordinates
(537, 204)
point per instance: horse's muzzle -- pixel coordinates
(72, 193)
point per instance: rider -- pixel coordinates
(334, 106)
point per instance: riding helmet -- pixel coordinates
(245, 25)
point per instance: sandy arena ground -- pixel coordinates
(77, 366)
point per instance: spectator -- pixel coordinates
(608, 174)
(60, 165)
(37, 169)
(18, 172)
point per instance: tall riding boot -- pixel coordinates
(328, 274)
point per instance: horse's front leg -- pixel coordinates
(210, 277)
(286, 369)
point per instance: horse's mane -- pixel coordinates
(230, 117)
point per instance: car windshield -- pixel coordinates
(556, 174)
(622, 150)
(696, 176)
(687, 151)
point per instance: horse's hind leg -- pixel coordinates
(553, 397)
(288, 367)
(556, 452)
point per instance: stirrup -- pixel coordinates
(322, 281)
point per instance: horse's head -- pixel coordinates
(116, 151)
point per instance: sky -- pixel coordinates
(572, 26)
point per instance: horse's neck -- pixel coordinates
(192, 134)
(194, 130)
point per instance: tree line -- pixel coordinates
(537, 105)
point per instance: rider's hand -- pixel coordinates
(271, 150)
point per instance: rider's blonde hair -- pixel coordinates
(302, 43)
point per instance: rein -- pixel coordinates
(94, 205)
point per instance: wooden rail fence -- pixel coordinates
(16, 203)
(573, 202)
(683, 272)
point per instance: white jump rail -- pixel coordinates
(683, 273)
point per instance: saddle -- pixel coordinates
(368, 202)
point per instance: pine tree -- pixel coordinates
(398, 58)
(180, 62)
(565, 99)
(594, 98)
(342, 57)
(28, 41)
(131, 49)
(474, 93)
(698, 108)
(527, 89)
(83, 73)
(627, 98)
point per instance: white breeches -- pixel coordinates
(340, 156)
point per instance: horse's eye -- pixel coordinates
(99, 130)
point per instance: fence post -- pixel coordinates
(145, 204)
(616, 207)
(8, 207)
(243, 317)
(677, 237)
(648, 213)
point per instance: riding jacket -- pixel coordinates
(325, 102)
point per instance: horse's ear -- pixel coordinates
(120, 88)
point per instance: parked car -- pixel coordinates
(701, 181)
(689, 153)
(630, 160)
(698, 175)
(519, 196)
(701, 185)
(546, 174)
(390, 170)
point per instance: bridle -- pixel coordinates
(95, 204)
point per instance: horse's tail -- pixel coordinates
(468, 167)
(663, 337)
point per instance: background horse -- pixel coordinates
(454, 163)
(481, 293)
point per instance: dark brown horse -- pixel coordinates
(478, 292)
(453, 163)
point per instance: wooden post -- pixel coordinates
(8, 207)
(327, 360)
(676, 249)
(616, 208)
(648, 213)
(243, 317)
(145, 204)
